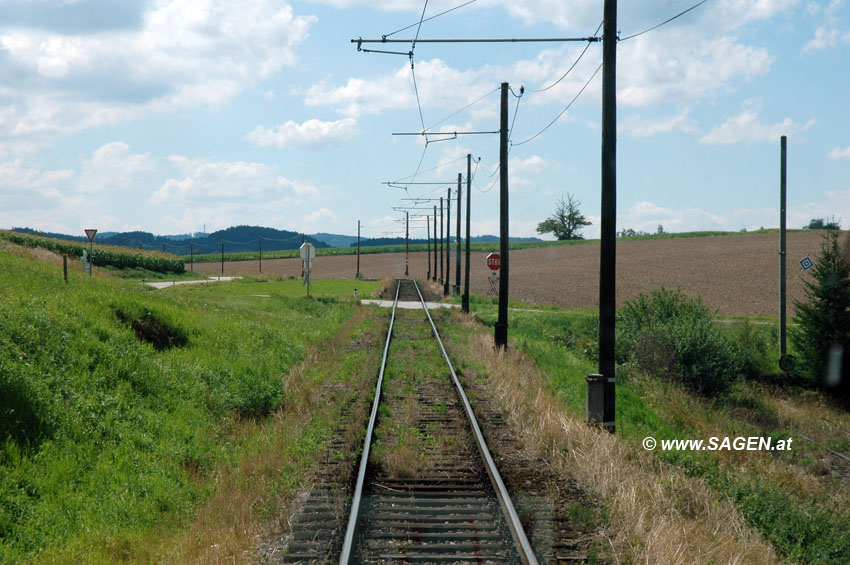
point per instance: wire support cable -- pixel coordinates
(429, 18)
(359, 41)
(474, 102)
(426, 171)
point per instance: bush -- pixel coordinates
(753, 347)
(674, 337)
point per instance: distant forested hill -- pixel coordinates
(336, 240)
(236, 239)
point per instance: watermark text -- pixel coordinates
(751, 443)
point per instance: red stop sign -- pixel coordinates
(494, 261)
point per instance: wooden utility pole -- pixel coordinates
(435, 244)
(501, 330)
(465, 300)
(608, 223)
(261, 255)
(456, 290)
(448, 242)
(222, 257)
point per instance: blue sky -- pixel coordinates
(171, 115)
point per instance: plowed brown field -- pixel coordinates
(734, 274)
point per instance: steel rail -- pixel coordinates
(348, 542)
(520, 539)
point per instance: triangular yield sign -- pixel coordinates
(90, 234)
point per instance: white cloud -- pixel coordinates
(651, 73)
(320, 219)
(748, 128)
(824, 39)
(646, 216)
(184, 53)
(113, 167)
(839, 153)
(395, 90)
(833, 203)
(216, 181)
(17, 177)
(639, 126)
(312, 133)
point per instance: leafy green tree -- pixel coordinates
(823, 318)
(567, 220)
(822, 224)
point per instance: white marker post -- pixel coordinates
(308, 253)
(90, 233)
(494, 263)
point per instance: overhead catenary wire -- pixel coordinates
(550, 124)
(563, 76)
(680, 14)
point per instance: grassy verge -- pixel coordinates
(797, 500)
(120, 408)
(655, 512)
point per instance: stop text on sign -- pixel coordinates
(494, 261)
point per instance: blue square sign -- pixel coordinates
(806, 264)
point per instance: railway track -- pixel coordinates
(447, 503)
(427, 489)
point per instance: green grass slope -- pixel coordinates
(116, 402)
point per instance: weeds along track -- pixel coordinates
(427, 490)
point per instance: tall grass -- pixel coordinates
(796, 500)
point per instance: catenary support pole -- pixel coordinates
(441, 240)
(501, 329)
(261, 255)
(222, 257)
(435, 244)
(608, 223)
(192, 256)
(456, 290)
(407, 244)
(783, 153)
(448, 242)
(465, 301)
(428, 240)
(357, 275)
